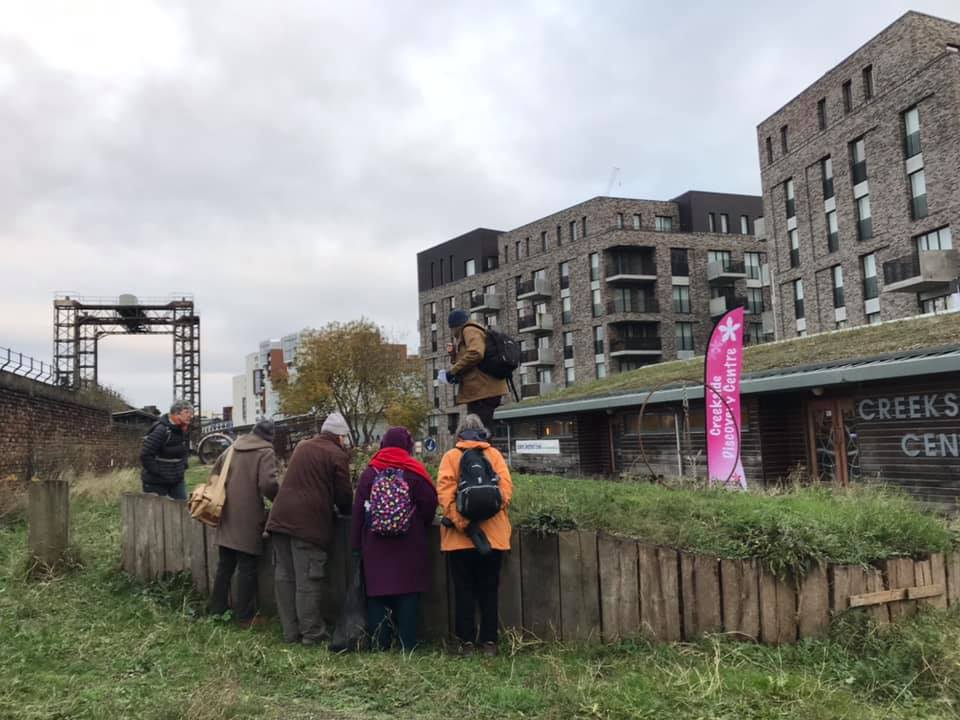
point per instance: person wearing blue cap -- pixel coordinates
(481, 393)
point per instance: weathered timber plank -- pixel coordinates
(700, 595)
(128, 532)
(939, 577)
(813, 604)
(669, 563)
(900, 574)
(619, 596)
(541, 585)
(511, 587)
(579, 597)
(651, 595)
(198, 556)
(213, 555)
(142, 527)
(778, 609)
(433, 620)
(740, 580)
(873, 582)
(952, 566)
(172, 535)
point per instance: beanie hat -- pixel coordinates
(457, 318)
(265, 430)
(335, 424)
(398, 437)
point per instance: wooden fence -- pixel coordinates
(585, 585)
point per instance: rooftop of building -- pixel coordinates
(918, 339)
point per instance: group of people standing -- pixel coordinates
(300, 523)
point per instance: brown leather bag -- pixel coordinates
(206, 501)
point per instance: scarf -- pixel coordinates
(399, 458)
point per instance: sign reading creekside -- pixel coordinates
(723, 365)
(538, 447)
(928, 406)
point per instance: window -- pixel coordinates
(543, 241)
(744, 225)
(719, 256)
(594, 266)
(569, 374)
(433, 312)
(441, 271)
(597, 303)
(567, 310)
(798, 299)
(573, 231)
(769, 151)
(858, 160)
(506, 254)
(679, 266)
(470, 268)
(847, 96)
(433, 275)
(752, 261)
(940, 239)
(568, 346)
(869, 266)
(583, 226)
(559, 235)
(911, 129)
(564, 275)
(433, 341)
(664, 223)
(755, 300)
(822, 113)
(636, 221)
(711, 222)
(526, 247)
(516, 250)
(837, 272)
(826, 175)
(619, 221)
(783, 139)
(681, 299)
(754, 334)
(724, 223)
(794, 248)
(868, 82)
(684, 332)
(833, 234)
(601, 369)
(918, 194)
(790, 198)
(598, 340)
(864, 222)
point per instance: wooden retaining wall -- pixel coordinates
(585, 585)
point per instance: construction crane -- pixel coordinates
(614, 178)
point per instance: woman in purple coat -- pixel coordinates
(396, 567)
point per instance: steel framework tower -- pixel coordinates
(79, 323)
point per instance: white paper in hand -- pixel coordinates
(443, 377)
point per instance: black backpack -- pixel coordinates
(502, 355)
(478, 490)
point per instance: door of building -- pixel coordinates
(834, 455)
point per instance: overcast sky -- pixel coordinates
(285, 161)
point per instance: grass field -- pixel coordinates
(91, 644)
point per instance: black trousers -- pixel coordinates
(476, 581)
(245, 600)
(484, 410)
(393, 614)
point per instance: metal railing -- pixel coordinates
(901, 268)
(635, 343)
(25, 366)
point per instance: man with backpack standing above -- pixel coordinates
(480, 391)
(301, 525)
(165, 451)
(394, 507)
(474, 489)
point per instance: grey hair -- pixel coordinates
(179, 406)
(471, 422)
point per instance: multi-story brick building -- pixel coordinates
(601, 287)
(861, 183)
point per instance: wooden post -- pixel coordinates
(579, 598)
(511, 587)
(48, 520)
(540, 566)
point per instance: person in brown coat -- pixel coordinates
(480, 392)
(301, 525)
(253, 477)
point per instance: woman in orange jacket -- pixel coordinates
(475, 572)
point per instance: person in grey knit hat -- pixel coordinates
(301, 526)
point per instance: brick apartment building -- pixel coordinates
(861, 183)
(605, 286)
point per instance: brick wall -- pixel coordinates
(45, 431)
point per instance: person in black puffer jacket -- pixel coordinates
(165, 451)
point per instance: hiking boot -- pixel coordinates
(466, 650)
(256, 621)
(489, 649)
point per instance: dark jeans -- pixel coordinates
(476, 581)
(300, 584)
(389, 614)
(484, 409)
(245, 599)
(177, 492)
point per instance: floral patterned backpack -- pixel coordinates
(390, 507)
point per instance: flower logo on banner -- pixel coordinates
(728, 331)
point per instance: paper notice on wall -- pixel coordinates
(538, 447)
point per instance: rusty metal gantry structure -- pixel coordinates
(80, 322)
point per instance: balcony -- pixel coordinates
(631, 268)
(930, 270)
(633, 304)
(720, 305)
(485, 303)
(536, 323)
(537, 356)
(720, 273)
(535, 389)
(640, 346)
(533, 290)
